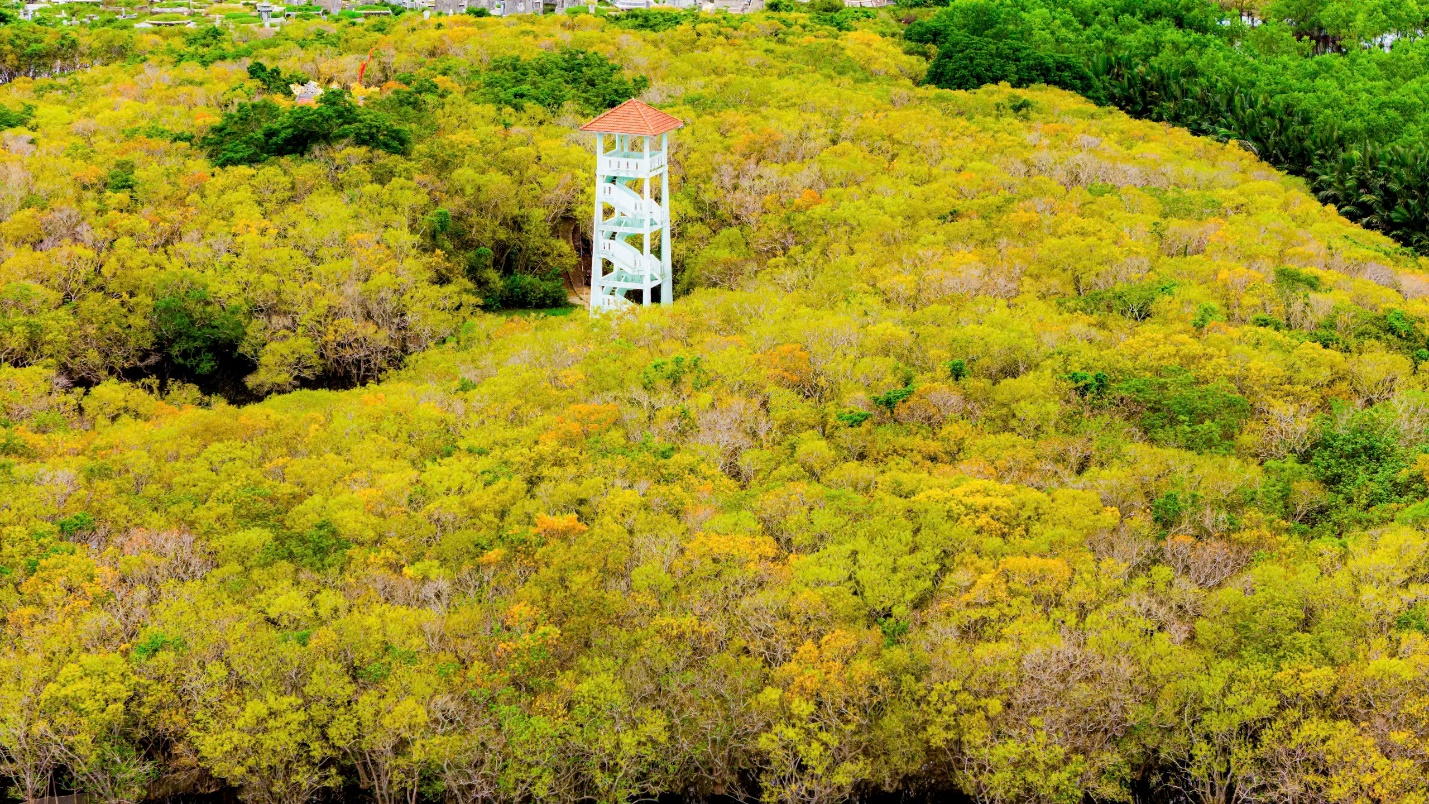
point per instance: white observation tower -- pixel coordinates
(627, 167)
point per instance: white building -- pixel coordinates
(628, 175)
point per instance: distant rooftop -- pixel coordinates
(306, 94)
(634, 117)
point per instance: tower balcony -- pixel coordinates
(631, 164)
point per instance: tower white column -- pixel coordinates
(595, 260)
(667, 271)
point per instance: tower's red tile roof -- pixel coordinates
(634, 117)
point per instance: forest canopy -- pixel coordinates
(1331, 91)
(321, 248)
(997, 443)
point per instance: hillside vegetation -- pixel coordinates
(997, 442)
(128, 255)
(1332, 90)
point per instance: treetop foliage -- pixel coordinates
(258, 131)
(120, 201)
(588, 81)
(1313, 88)
(997, 441)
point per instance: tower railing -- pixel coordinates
(631, 165)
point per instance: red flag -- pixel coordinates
(363, 68)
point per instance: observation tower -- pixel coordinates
(630, 253)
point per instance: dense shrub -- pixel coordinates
(194, 330)
(274, 80)
(14, 118)
(1177, 411)
(532, 292)
(655, 20)
(1134, 301)
(968, 62)
(260, 130)
(1361, 457)
(589, 81)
